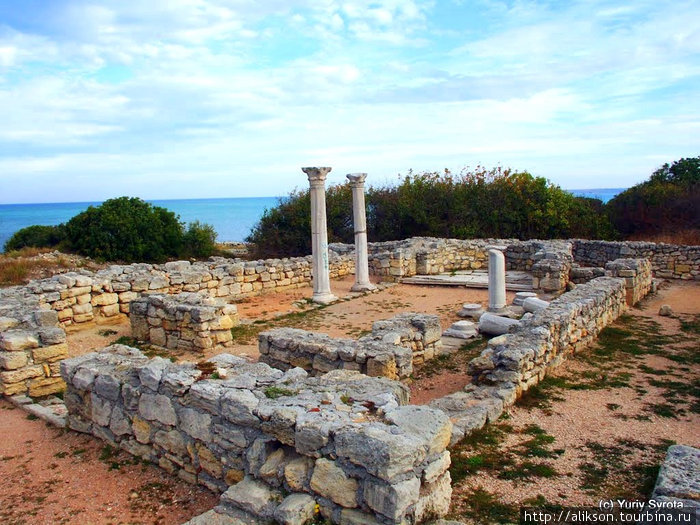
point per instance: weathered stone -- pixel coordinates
(45, 386)
(433, 426)
(251, 496)
(108, 387)
(391, 500)
(13, 360)
(297, 473)
(495, 325)
(196, 424)
(678, 477)
(665, 311)
(141, 429)
(296, 509)
(13, 376)
(15, 340)
(330, 481)
(157, 408)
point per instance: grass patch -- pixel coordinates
(32, 417)
(481, 506)
(274, 392)
(482, 451)
(106, 332)
(451, 362)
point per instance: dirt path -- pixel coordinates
(599, 426)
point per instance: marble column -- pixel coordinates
(319, 236)
(357, 183)
(497, 281)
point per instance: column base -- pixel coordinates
(363, 287)
(324, 298)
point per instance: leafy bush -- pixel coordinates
(126, 229)
(478, 203)
(669, 202)
(36, 237)
(199, 240)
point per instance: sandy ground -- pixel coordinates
(56, 476)
(616, 419)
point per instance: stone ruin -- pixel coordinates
(314, 428)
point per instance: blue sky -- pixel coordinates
(229, 98)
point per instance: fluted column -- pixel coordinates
(357, 183)
(319, 236)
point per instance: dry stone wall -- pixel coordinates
(389, 351)
(514, 362)
(668, 261)
(272, 440)
(31, 346)
(185, 321)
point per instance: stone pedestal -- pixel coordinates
(497, 281)
(319, 236)
(357, 183)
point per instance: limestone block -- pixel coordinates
(110, 310)
(297, 473)
(157, 408)
(157, 336)
(74, 292)
(83, 318)
(141, 429)
(13, 360)
(196, 424)
(16, 340)
(434, 500)
(50, 353)
(296, 509)
(391, 500)
(82, 308)
(52, 336)
(46, 386)
(330, 481)
(252, 496)
(208, 461)
(29, 372)
(173, 442)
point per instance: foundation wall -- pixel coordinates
(270, 440)
(514, 362)
(185, 321)
(390, 351)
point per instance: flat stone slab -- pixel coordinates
(679, 476)
(516, 281)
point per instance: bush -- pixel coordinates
(126, 229)
(669, 202)
(478, 203)
(35, 237)
(199, 240)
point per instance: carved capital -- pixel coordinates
(317, 176)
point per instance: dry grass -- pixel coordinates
(18, 267)
(690, 237)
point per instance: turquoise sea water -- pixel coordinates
(232, 218)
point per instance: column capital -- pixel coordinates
(356, 179)
(316, 175)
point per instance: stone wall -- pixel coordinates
(549, 261)
(31, 345)
(668, 261)
(514, 362)
(84, 296)
(184, 321)
(283, 442)
(389, 351)
(637, 276)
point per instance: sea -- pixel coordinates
(232, 218)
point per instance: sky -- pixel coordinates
(230, 98)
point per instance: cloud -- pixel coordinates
(219, 98)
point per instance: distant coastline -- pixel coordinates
(232, 218)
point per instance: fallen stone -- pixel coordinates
(665, 310)
(492, 324)
(461, 330)
(471, 310)
(533, 304)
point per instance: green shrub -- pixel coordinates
(477, 203)
(668, 202)
(35, 237)
(199, 240)
(126, 229)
